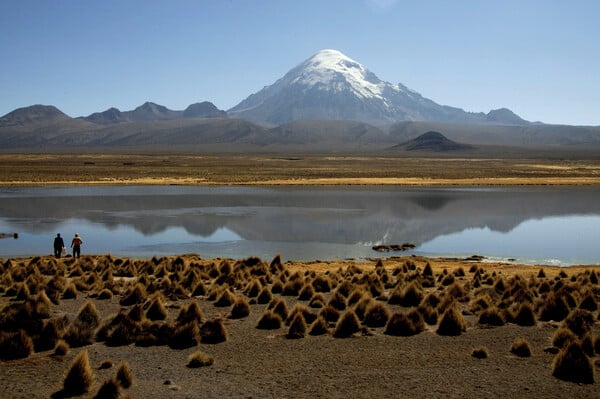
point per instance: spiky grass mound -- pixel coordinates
(405, 324)
(269, 321)
(480, 353)
(213, 332)
(200, 359)
(15, 345)
(525, 315)
(376, 315)
(491, 317)
(124, 375)
(572, 364)
(110, 389)
(347, 325)
(240, 308)
(319, 327)
(452, 322)
(79, 377)
(297, 327)
(521, 348)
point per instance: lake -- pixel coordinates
(549, 225)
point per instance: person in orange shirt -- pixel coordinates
(76, 245)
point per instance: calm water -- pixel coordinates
(547, 225)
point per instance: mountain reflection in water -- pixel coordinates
(300, 222)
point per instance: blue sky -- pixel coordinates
(539, 58)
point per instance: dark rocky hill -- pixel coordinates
(432, 141)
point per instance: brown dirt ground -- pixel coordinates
(255, 363)
(39, 169)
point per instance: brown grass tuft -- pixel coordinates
(525, 315)
(347, 325)
(297, 327)
(337, 300)
(452, 323)
(319, 327)
(264, 296)
(491, 317)
(61, 349)
(269, 321)
(135, 295)
(400, 324)
(554, 308)
(199, 359)
(279, 306)
(110, 389)
(240, 308)
(579, 321)
(562, 337)
(70, 292)
(227, 298)
(156, 310)
(185, 336)
(330, 314)
(571, 364)
(213, 332)
(79, 377)
(376, 315)
(105, 294)
(480, 353)
(124, 375)
(189, 313)
(16, 345)
(521, 348)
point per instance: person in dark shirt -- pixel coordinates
(58, 245)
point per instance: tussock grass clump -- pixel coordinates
(189, 313)
(554, 308)
(104, 294)
(481, 302)
(317, 301)
(79, 377)
(562, 337)
(269, 321)
(135, 295)
(589, 303)
(309, 316)
(156, 310)
(70, 292)
(279, 306)
(541, 274)
(297, 327)
(319, 327)
(337, 300)
(480, 353)
(322, 284)
(579, 321)
(88, 315)
(525, 315)
(347, 325)
(428, 313)
(185, 336)
(264, 296)
(199, 359)
(124, 375)
(330, 314)
(597, 344)
(491, 317)
(227, 298)
(376, 315)
(571, 364)
(240, 308)
(213, 332)
(452, 322)
(521, 348)
(17, 345)
(48, 336)
(61, 349)
(403, 325)
(110, 389)
(411, 295)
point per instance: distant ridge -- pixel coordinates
(432, 141)
(33, 114)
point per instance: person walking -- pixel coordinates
(76, 245)
(59, 244)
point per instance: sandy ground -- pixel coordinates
(255, 363)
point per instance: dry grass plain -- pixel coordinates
(154, 314)
(34, 169)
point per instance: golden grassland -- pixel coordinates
(33, 169)
(184, 326)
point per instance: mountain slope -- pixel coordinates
(331, 85)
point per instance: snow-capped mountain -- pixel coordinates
(331, 85)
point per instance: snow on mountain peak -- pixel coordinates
(332, 70)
